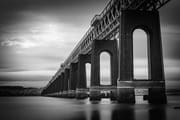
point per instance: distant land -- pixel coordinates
(30, 91)
(19, 91)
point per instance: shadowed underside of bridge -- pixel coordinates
(112, 32)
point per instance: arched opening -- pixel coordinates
(105, 69)
(140, 62)
(140, 55)
(88, 74)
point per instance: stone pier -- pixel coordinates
(150, 23)
(73, 80)
(82, 90)
(99, 46)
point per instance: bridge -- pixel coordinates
(111, 31)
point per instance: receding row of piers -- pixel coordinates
(71, 82)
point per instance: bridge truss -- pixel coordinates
(106, 25)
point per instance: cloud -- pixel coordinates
(8, 69)
(169, 13)
(37, 35)
(18, 42)
(171, 41)
(26, 78)
(25, 37)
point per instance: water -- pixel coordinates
(47, 108)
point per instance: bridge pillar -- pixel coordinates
(66, 81)
(55, 92)
(82, 90)
(60, 89)
(150, 23)
(99, 46)
(58, 84)
(61, 84)
(73, 79)
(52, 89)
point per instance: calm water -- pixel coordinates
(46, 108)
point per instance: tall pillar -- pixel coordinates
(82, 91)
(99, 46)
(58, 84)
(62, 85)
(149, 22)
(52, 89)
(66, 81)
(73, 79)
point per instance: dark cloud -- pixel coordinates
(24, 80)
(171, 45)
(9, 9)
(170, 13)
(19, 15)
(21, 4)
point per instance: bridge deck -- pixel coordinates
(107, 27)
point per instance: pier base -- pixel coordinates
(113, 95)
(125, 95)
(157, 96)
(64, 94)
(60, 94)
(95, 94)
(71, 94)
(81, 93)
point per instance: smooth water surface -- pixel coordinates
(47, 108)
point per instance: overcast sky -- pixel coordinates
(36, 36)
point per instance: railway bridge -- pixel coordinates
(112, 31)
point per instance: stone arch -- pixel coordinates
(151, 25)
(98, 47)
(149, 22)
(82, 61)
(81, 89)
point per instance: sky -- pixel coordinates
(36, 36)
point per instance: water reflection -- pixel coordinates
(126, 112)
(95, 115)
(123, 114)
(63, 109)
(157, 113)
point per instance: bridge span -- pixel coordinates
(111, 31)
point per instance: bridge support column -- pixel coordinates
(82, 90)
(52, 89)
(65, 85)
(73, 80)
(149, 22)
(98, 47)
(56, 89)
(62, 85)
(58, 85)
